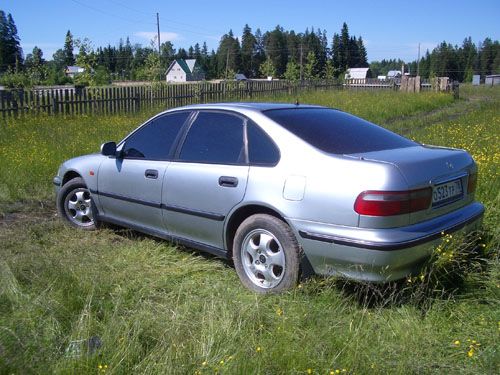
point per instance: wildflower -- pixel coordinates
(309, 371)
(258, 349)
(279, 312)
(456, 342)
(222, 362)
(204, 363)
(470, 353)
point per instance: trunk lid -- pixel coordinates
(445, 170)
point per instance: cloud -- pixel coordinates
(152, 35)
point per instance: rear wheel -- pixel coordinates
(266, 254)
(75, 206)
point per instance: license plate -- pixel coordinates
(447, 193)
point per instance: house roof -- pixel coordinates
(186, 65)
(393, 73)
(74, 69)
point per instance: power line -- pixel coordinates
(109, 14)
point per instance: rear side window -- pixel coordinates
(214, 137)
(337, 132)
(154, 140)
(261, 149)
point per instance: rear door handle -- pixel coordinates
(228, 181)
(151, 173)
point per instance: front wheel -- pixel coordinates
(266, 254)
(75, 206)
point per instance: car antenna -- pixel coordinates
(297, 102)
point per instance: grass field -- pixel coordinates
(155, 308)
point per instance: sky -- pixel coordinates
(390, 29)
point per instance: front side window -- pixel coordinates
(215, 137)
(154, 140)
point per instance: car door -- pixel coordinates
(130, 186)
(207, 179)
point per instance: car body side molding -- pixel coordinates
(188, 211)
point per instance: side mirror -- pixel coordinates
(108, 149)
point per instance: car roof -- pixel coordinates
(260, 107)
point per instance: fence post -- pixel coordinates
(137, 102)
(455, 87)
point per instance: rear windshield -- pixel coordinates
(337, 132)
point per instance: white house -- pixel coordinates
(181, 70)
(72, 70)
(357, 73)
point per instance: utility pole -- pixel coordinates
(301, 70)
(418, 61)
(158, 27)
(159, 43)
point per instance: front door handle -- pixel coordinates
(228, 181)
(151, 173)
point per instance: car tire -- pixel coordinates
(75, 205)
(266, 254)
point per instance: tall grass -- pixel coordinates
(128, 303)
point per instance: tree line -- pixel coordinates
(278, 53)
(459, 63)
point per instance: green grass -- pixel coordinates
(158, 308)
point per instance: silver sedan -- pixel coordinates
(280, 189)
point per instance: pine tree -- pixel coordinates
(362, 56)
(248, 44)
(11, 54)
(345, 56)
(69, 58)
(228, 54)
(336, 52)
(259, 52)
(276, 49)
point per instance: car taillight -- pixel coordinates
(389, 203)
(472, 183)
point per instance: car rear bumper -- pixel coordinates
(380, 255)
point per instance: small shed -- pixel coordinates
(476, 79)
(181, 70)
(491, 80)
(357, 73)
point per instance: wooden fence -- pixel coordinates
(393, 84)
(107, 100)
